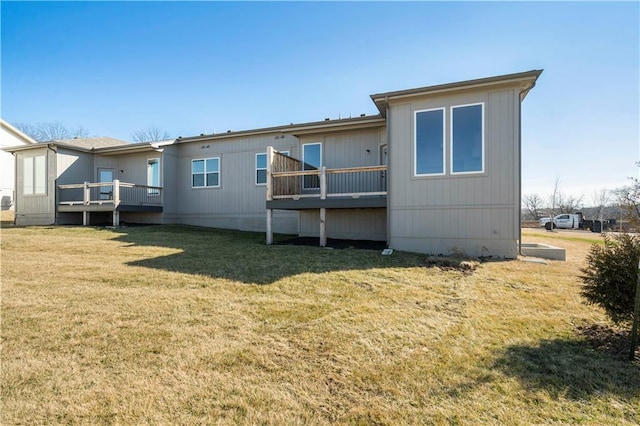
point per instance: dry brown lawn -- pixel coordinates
(180, 325)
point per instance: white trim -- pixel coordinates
(474, 172)
(415, 142)
(205, 186)
(303, 163)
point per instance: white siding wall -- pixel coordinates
(475, 214)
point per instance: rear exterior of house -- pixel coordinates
(436, 171)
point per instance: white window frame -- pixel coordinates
(304, 162)
(34, 176)
(205, 186)
(255, 180)
(482, 132)
(444, 142)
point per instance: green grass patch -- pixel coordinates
(185, 325)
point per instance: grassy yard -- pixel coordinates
(179, 325)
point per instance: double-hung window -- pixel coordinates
(205, 173)
(467, 139)
(261, 167)
(429, 139)
(34, 175)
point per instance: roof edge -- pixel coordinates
(381, 99)
(28, 139)
(326, 125)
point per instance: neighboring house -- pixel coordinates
(436, 171)
(9, 136)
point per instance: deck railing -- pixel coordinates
(288, 179)
(116, 193)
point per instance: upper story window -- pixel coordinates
(34, 175)
(312, 160)
(467, 138)
(429, 142)
(205, 173)
(261, 167)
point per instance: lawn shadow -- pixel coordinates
(244, 256)
(572, 369)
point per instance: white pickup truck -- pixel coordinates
(562, 221)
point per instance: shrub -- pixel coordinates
(611, 274)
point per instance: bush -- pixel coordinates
(611, 274)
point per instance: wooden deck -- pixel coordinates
(293, 185)
(113, 197)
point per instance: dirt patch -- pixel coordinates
(603, 338)
(452, 263)
(336, 244)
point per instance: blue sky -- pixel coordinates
(190, 68)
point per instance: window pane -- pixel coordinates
(40, 186)
(197, 166)
(212, 165)
(429, 142)
(27, 175)
(261, 161)
(311, 156)
(212, 179)
(467, 139)
(198, 180)
(261, 176)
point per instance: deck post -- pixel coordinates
(85, 218)
(269, 229)
(116, 202)
(269, 171)
(323, 211)
(323, 227)
(269, 194)
(323, 183)
(87, 194)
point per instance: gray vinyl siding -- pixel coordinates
(343, 150)
(36, 209)
(474, 214)
(169, 172)
(349, 224)
(74, 166)
(130, 168)
(348, 149)
(238, 203)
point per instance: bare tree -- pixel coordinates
(553, 199)
(562, 202)
(629, 199)
(533, 203)
(150, 134)
(569, 203)
(600, 199)
(50, 131)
